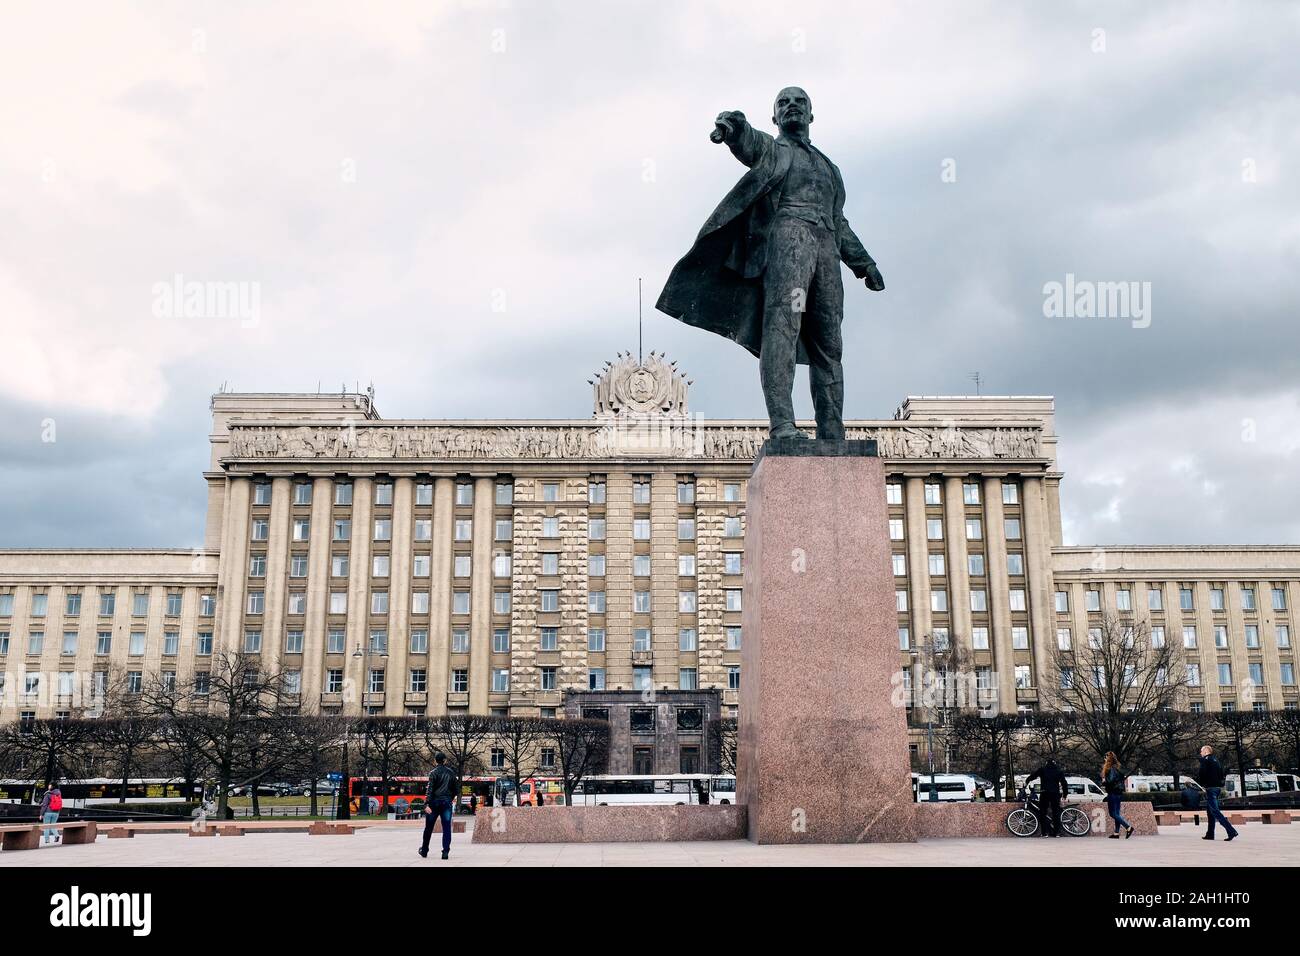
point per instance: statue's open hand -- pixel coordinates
(875, 282)
(727, 125)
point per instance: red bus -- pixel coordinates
(406, 794)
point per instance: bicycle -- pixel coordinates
(1023, 821)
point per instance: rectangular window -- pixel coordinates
(500, 680)
(900, 564)
(334, 681)
(733, 638)
(505, 492)
(731, 491)
(1062, 602)
(503, 529)
(302, 493)
(293, 642)
(203, 644)
(596, 602)
(596, 639)
(1189, 636)
(343, 493)
(550, 491)
(301, 529)
(1092, 600)
(342, 529)
(970, 492)
(107, 603)
(298, 565)
(596, 492)
(464, 493)
(934, 529)
(139, 604)
(383, 529)
(40, 604)
(1010, 493)
(1158, 636)
(379, 602)
(596, 678)
(1124, 599)
(979, 638)
(501, 565)
(1185, 599)
(686, 639)
(641, 491)
(641, 529)
(423, 529)
(974, 529)
(419, 683)
(1155, 599)
(686, 678)
(1279, 599)
(686, 565)
(595, 528)
(1020, 638)
(261, 493)
(36, 642)
(1023, 677)
(895, 529)
(1220, 636)
(550, 639)
(685, 529)
(733, 677)
(936, 563)
(1011, 528)
(380, 566)
(595, 566)
(252, 642)
(339, 565)
(256, 602)
(1225, 675)
(731, 527)
(1283, 635)
(979, 600)
(932, 493)
(419, 640)
(1015, 564)
(1288, 674)
(338, 602)
(893, 493)
(975, 565)
(1252, 636)
(69, 643)
(641, 639)
(257, 565)
(686, 602)
(686, 492)
(550, 599)
(419, 602)
(261, 528)
(104, 642)
(900, 600)
(464, 529)
(1248, 599)
(548, 678)
(462, 566)
(460, 602)
(641, 602)
(939, 600)
(1017, 599)
(72, 604)
(376, 685)
(641, 565)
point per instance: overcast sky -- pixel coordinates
(454, 202)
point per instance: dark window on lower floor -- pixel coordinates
(643, 760)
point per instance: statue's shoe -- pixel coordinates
(786, 432)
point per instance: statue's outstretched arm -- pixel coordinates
(746, 143)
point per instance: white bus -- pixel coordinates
(667, 788)
(1260, 782)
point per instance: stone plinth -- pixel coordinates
(944, 819)
(618, 824)
(822, 754)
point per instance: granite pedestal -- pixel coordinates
(822, 754)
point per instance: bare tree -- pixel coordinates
(724, 737)
(1284, 727)
(228, 707)
(985, 741)
(1176, 736)
(391, 742)
(315, 742)
(1115, 684)
(1239, 729)
(520, 739)
(180, 746)
(52, 750)
(461, 737)
(125, 742)
(581, 748)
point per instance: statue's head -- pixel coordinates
(792, 111)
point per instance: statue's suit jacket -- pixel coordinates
(718, 285)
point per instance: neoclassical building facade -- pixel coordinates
(429, 566)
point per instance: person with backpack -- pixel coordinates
(1210, 775)
(1112, 779)
(438, 797)
(51, 806)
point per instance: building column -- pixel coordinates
(954, 513)
(480, 621)
(918, 555)
(277, 573)
(1038, 576)
(358, 627)
(399, 598)
(318, 572)
(233, 570)
(995, 550)
(440, 596)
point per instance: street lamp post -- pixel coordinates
(364, 657)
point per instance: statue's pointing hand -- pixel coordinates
(875, 282)
(727, 125)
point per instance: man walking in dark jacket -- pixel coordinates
(437, 803)
(1053, 788)
(1210, 776)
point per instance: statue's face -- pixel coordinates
(792, 109)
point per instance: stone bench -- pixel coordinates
(1167, 819)
(1275, 816)
(27, 836)
(322, 828)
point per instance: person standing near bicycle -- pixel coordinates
(1112, 779)
(1053, 787)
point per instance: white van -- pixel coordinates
(1082, 789)
(1264, 782)
(949, 786)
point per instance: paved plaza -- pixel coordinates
(1259, 845)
